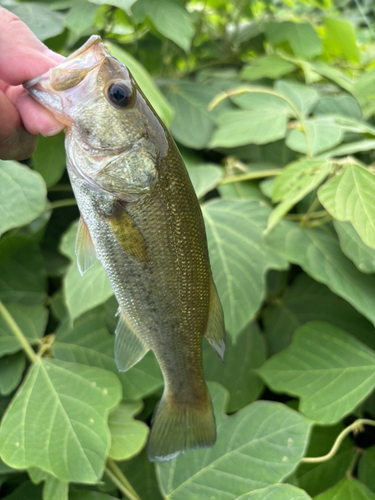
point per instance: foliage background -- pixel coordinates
(272, 105)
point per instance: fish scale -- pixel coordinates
(140, 217)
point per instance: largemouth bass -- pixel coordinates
(140, 217)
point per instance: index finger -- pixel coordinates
(22, 55)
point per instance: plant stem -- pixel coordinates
(117, 477)
(259, 174)
(60, 203)
(17, 332)
(356, 426)
(313, 215)
(354, 462)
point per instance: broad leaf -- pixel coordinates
(270, 66)
(11, 370)
(26, 491)
(128, 435)
(88, 342)
(277, 492)
(263, 433)
(141, 474)
(296, 181)
(204, 177)
(81, 17)
(349, 148)
(49, 158)
(238, 257)
(145, 82)
(340, 39)
(306, 300)
(237, 374)
(22, 195)
(350, 196)
(53, 488)
(315, 478)
(57, 420)
(82, 293)
(341, 105)
(318, 252)
(121, 4)
(327, 368)
(363, 90)
(41, 20)
(22, 273)
(354, 248)
(31, 321)
(303, 97)
(257, 126)
(347, 489)
(322, 133)
(366, 468)
(302, 37)
(244, 190)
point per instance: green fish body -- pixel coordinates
(140, 217)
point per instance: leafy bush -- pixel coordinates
(272, 107)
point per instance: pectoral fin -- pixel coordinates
(215, 332)
(129, 348)
(128, 235)
(85, 251)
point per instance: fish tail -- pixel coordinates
(179, 425)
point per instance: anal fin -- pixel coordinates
(85, 251)
(129, 348)
(215, 331)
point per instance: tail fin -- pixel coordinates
(179, 426)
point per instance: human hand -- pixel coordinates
(22, 56)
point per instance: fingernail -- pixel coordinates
(53, 131)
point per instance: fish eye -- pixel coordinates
(120, 94)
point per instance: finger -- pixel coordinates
(35, 118)
(22, 55)
(15, 142)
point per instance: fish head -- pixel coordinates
(114, 139)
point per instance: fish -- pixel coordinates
(140, 217)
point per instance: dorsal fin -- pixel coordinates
(127, 234)
(215, 331)
(129, 348)
(85, 251)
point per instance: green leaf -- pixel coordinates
(349, 196)
(172, 20)
(192, 124)
(141, 474)
(335, 74)
(22, 273)
(244, 190)
(318, 252)
(128, 435)
(354, 248)
(263, 433)
(258, 100)
(42, 21)
(238, 257)
(89, 495)
(26, 491)
(341, 105)
(349, 148)
(340, 39)
(11, 369)
(347, 489)
(277, 492)
(57, 420)
(121, 4)
(322, 133)
(315, 478)
(241, 358)
(327, 368)
(53, 488)
(270, 66)
(82, 293)
(49, 157)
(302, 37)
(32, 322)
(88, 342)
(81, 17)
(296, 181)
(303, 97)
(22, 195)
(258, 126)
(144, 80)
(366, 468)
(363, 91)
(306, 300)
(204, 177)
